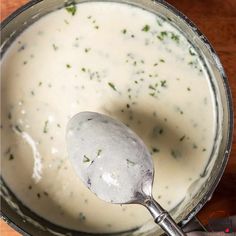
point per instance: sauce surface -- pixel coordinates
(113, 59)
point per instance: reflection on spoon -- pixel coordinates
(114, 163)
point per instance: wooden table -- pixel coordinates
(217, 20)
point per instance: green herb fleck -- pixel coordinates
(112, 86)
(9, 116)
(162, 60)
(11, 157)
(204, 149)
(175, 153)
(124, 31)
(86, 159)
(161, 131)
(152, 94)
(182, 138)
(71, 9)
(82, 217)
(68, 66)
(40, 83)
(146, 28)
(45, 128)
(162, 35)
(99, 152)
(83, 69)
(189, 89)
(55, 47)
(87, 50)
(18, 129)
(175, 37)
(129, 162)
(151, 87)
(155, 150)
(163, 83)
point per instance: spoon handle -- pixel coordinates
(163, 219)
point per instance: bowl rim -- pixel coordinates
(224, 79)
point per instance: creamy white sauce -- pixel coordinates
(113, 59)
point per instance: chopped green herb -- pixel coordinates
(124, 31)
(11, 157)
(178, 109)
(204, 149)
(18, 129)
(182, 138)
(99, 152)
(152, 94)
(189, 89)
(45, 128)
(146, 28)
(40, 83)
(175, 37)
(96, 27)
(83, 69)
(71, 9)
(175, 153)
(194, 146)
(82, 217)
(162, 60)
(129, 162)
(112, 86)
(155, 150)
(32, 93)
(163, 83)
(151, 87)
(68, 65)
(9, 116)
(86, 159)
(87, 50)
(163, 33)
(58, 125)
(55, 47)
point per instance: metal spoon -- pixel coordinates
(114, 163)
